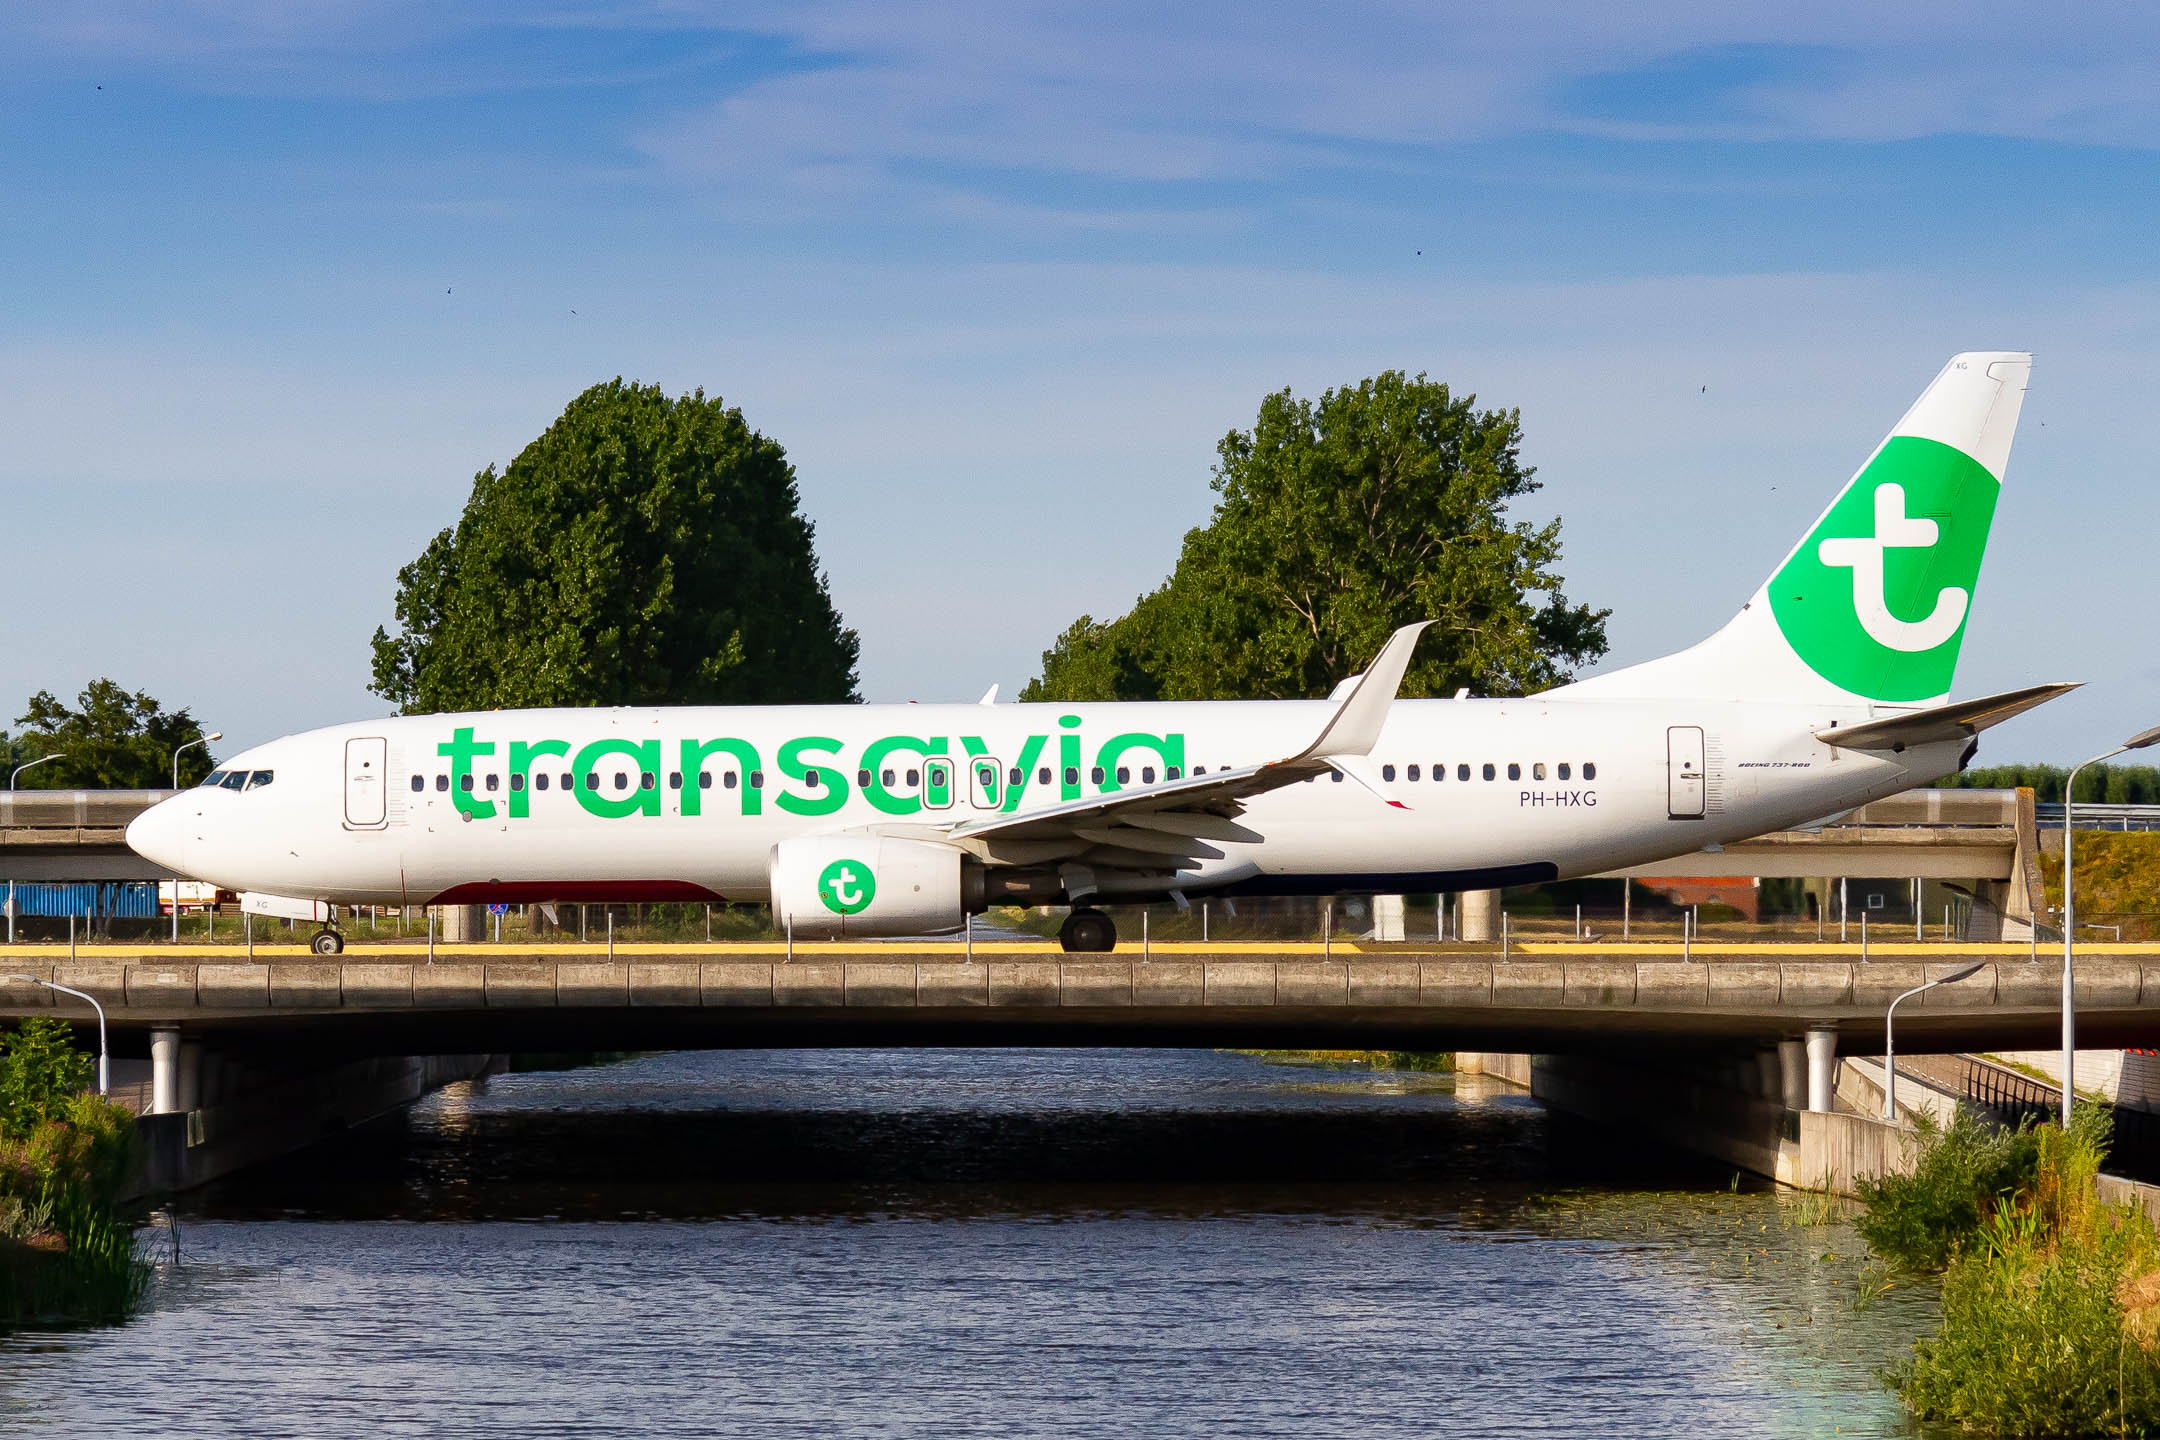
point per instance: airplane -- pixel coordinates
(1828, 689)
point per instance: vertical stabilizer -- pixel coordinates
(1872, 604)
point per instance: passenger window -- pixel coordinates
(885, 778)
(1490, 773)
(727, 780)
(540, 781)
(1147, 774)
(1537, 772)
(1514, 771)
(1589, 771)
(986, 776)
(862, 779)
(1199, 769)
(914, 778)
(494, 782)
(419, 782)
(674, 780)
(1124, 775)
(757, 779)
(1412, 772)
(442, 782)
(1096, 775)
(464, 783)
(1563, 770)
(569, 781)
(1042, 776)
(1387, 772)
(1072, 774)
(1462, 772)
(704, 779)
(812, 779)
(622, 781)
(1015, 775)
(592, 780)
(647, 780)
(261, 778)
(1170, 772)
(517, 782)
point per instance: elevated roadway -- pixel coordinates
(1582, 998)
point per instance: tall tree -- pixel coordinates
(1337, 522)
(112, 740)
(644, 550)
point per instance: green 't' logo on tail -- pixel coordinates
(1875, 599)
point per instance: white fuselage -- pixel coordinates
(688, 803)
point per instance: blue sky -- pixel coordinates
(280, 277)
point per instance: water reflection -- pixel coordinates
(903, 1243)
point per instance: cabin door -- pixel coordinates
(367, 794)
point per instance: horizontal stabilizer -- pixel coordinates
(1960, 721)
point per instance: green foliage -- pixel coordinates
(642, 551)
(1337, 522)
(2048, 1308)
(40, 1071)
(66, 1256)
(112, 740)
(2099, 785)
(2118, 875)
(1922, 1221)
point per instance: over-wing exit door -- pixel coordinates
(1684, 783)
(366, 796)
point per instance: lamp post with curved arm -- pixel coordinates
(1889, 1046)
(205, 740)
(25, 766)
(2069, 914)
(104, 1062)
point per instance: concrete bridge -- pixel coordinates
(1589, 997)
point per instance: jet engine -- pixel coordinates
(829, 886)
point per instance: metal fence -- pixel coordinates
(2015, 1099)
(2094, 816)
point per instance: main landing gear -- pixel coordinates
(1088, 932)
(327, 941)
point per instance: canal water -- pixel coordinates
(975, 1243)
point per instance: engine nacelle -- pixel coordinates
(828, 886)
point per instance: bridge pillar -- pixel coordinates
(1387, 917)
(164, 1071)
(462, 924)
(1480, 915)
(1821, 1066)
(1792, 1069)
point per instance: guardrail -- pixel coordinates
(2093, 816)
(2016, 1099)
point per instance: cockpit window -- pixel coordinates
(214, 778)
(261, 778)
(235, 780)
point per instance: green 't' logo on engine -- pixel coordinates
(847, 887)
(1875, 599)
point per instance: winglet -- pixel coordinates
(1354, 728)
(989, 696)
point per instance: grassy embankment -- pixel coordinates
(2050, 1298)
(2118, 881)
(1435, 1061)
(67, 1257)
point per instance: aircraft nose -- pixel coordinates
(159, 834)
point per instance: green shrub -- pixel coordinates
(1923, 1220)
(40, 1071)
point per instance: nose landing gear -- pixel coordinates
(1088, 932)
(327, 941)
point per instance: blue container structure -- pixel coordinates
(124, 899)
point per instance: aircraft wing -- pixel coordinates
(1958, 721)
(1168, 826)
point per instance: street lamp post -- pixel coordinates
(25, 766)
(104, 1061)
(2069, 915)
(1889, 1045)
(205, 740)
